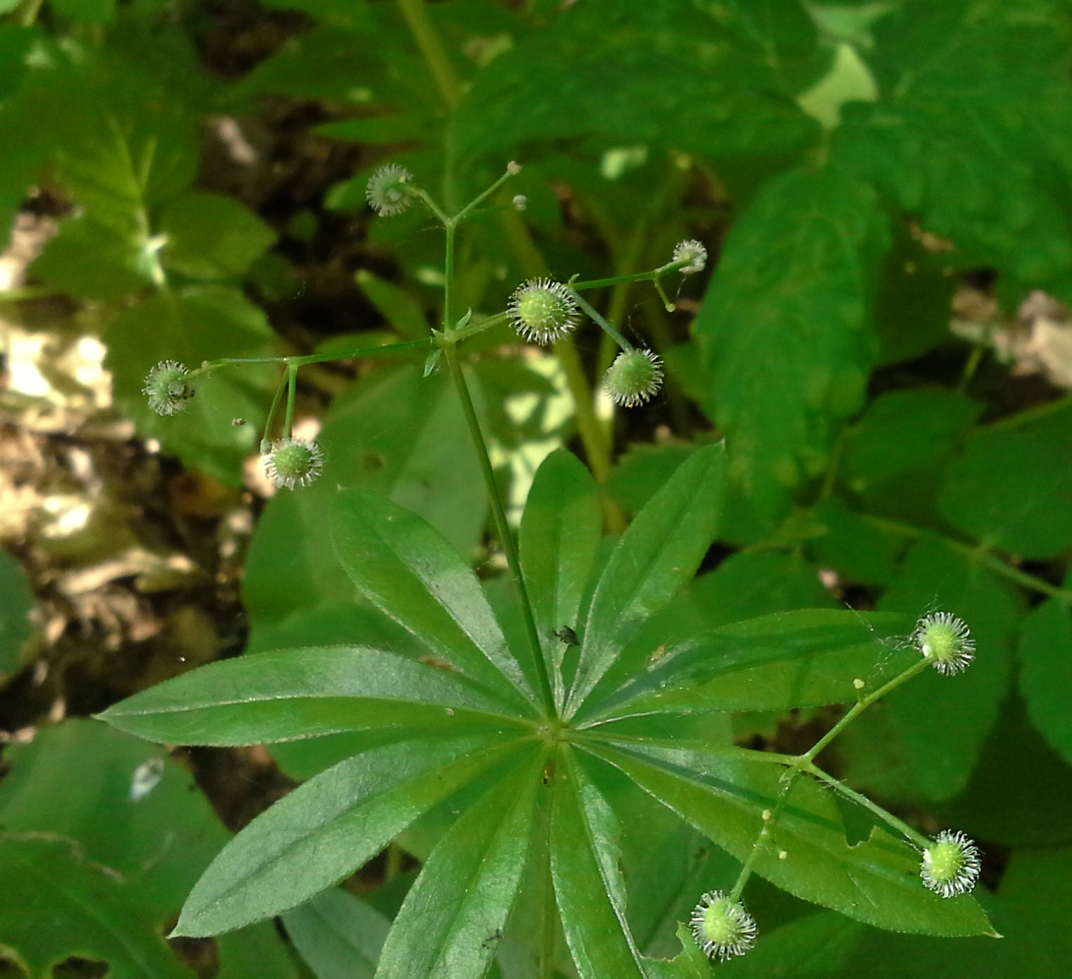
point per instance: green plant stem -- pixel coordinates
(432, 50)
(912, 835)
(498, 512)
(292, 397)
(861, 705)
(977, 554)
(266, 439)
(27, 15)
(651, 276)
(601, 322)
(213, 365)
(769, 821)
(484, 196)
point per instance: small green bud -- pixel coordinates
(951, 865)
(387, 192)
(722, 928)
(946, 641)
(543, 310)
(168, 387)
(633, 378)
(694, 253)
(294, 462)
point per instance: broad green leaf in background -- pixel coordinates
(125, 805)
(454, 915)
(948, 138)
(58, 904)
(192, 325)
(659, 71)
(903, 431)
(650, 564)
(1010, 487)
(784, 327)
(338, 934)
(394, 431)
(402, 312)
(301, 693)
(211, 236)
(14, 612)
(923, 740)
(1046, 672)
(851, 544)
(409, 570)
(723, 791)
(560, 534)
(777, 662)
(330, 826)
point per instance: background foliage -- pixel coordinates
(859, 169)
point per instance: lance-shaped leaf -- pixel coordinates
(454, 915)
(302, 693)
(723, 793)
(790, 659)
(338, 934)
(590, 890)
(405, 567)
(652, 561)
(560, 534)
(330, 826)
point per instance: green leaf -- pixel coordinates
(651, 562)
(723, 792)
(330, 826)
(777, 662)
(642, 469)
(338, 934)
(139, 814)
(903, 431)
(395, 432)
(301, 693)
(1046, 672)
(560, 535)
(406, 568)
(14, 612)
(211, 236)
(399, 308)
(949, 139)
(190, 326)
(635, 71)
(784, 327)
(588, 886)
(852, 545)
(58, 904)
(454, 915)
(1010, 487)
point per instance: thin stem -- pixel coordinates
(650, 276)
(450, 355)
(292, 397)
(860, 706)
(214, 365)
(27, 16)
(770, 819)
(472, 329)
(448, 284)
(266, 439)
(912, 835)
(487, 193)
(601, 322)
(976, 554)
(432, 50)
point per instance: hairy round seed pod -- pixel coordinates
(543, 310)
(387, 192)
(951, 865)
(294, 462)
(722, 928)
(694, 253)
(168, 388)
(946, 641)
(633, 378)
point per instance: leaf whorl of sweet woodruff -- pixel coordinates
(543, 310)
(294, 462)
(168, 388)
(634, 377)
(387, 191)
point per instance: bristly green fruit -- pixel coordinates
(634, 377)
(168, 388)
(951, 866)
(946, 641)
(387, 192)
(543, 310)
(693, 253)
(722, 927)
(294, 462)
